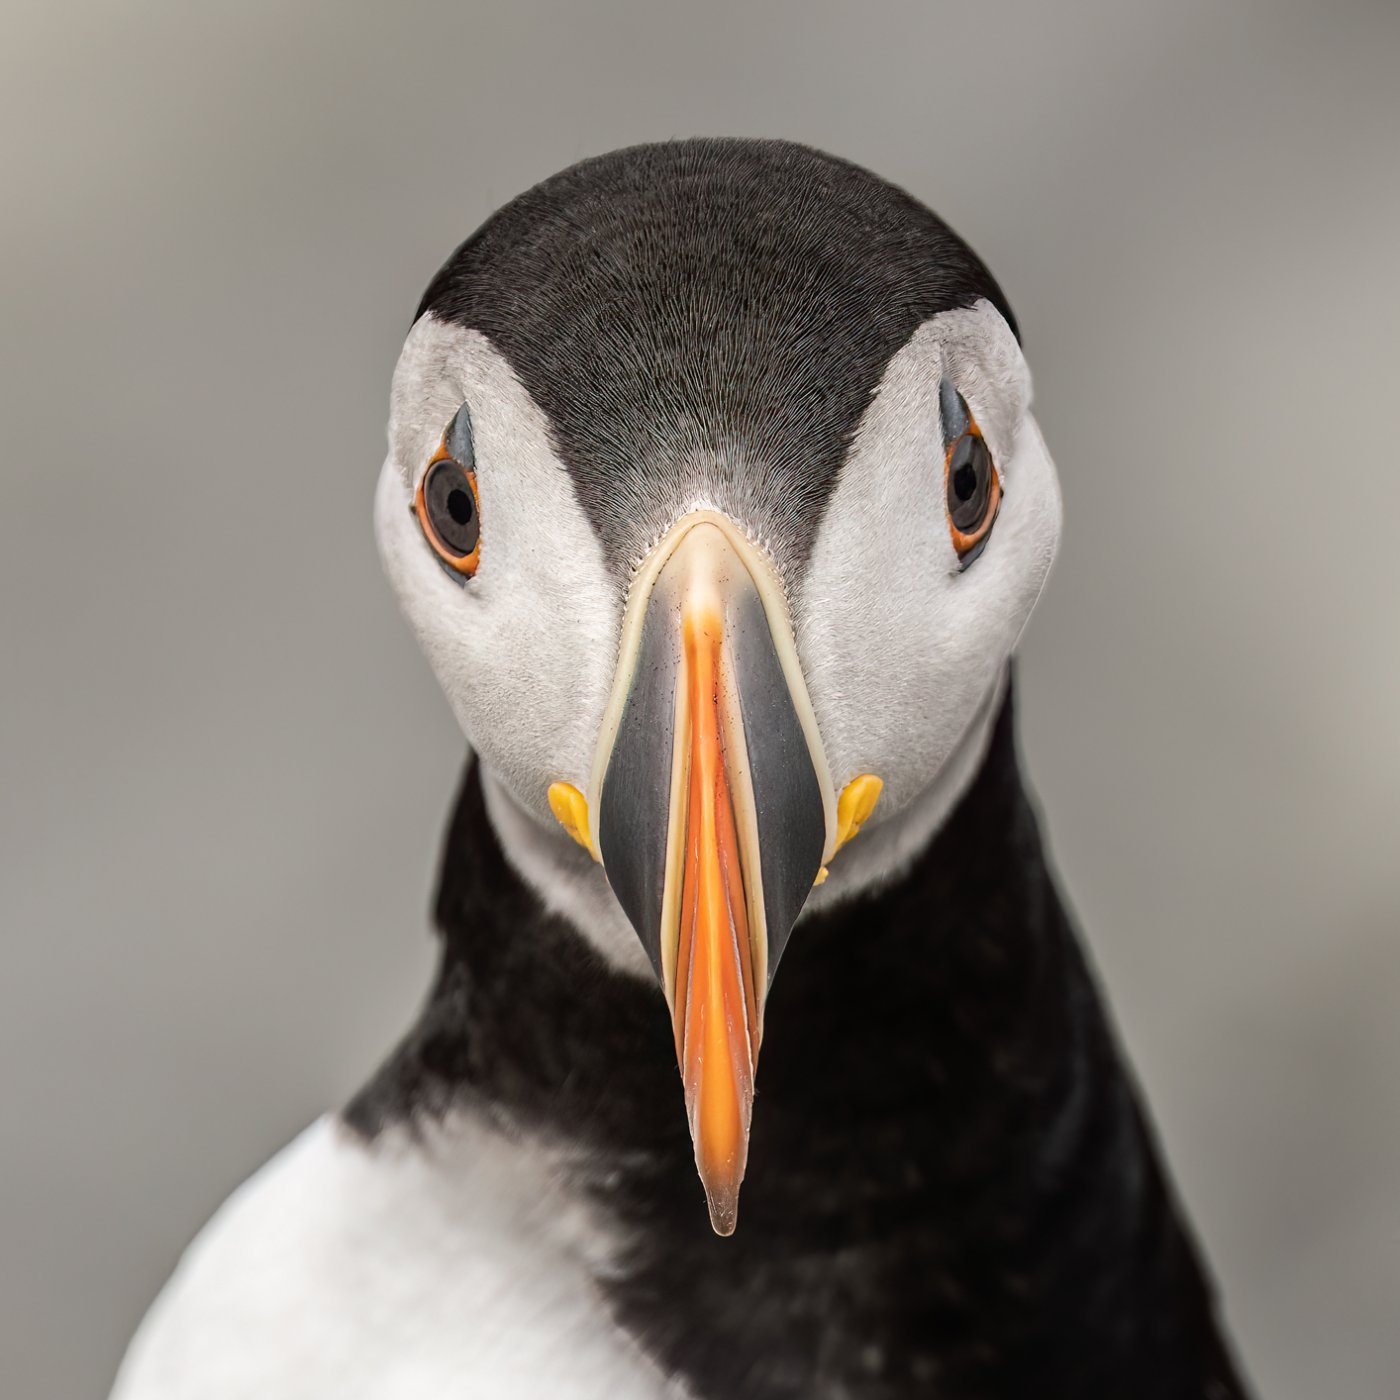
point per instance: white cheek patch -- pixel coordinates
(523, 650)
(900, 647)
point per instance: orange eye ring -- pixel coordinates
(973, 475)
(449, 513)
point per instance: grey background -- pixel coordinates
(223, 765)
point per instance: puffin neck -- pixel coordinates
(530, 1016)
(949, 1175)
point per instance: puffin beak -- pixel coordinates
(713, 814)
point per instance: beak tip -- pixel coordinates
(722, 1174)
(724, 1208)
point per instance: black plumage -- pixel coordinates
(951, 1190)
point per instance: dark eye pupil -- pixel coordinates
(459, 505)
(969, 483)
(451, 507)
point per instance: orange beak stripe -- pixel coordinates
(716, 1006)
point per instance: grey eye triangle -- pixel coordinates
(953, 410)
(459, 439)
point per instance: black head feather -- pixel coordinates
(707, 319)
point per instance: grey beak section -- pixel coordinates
(636, 798)
(787, 794)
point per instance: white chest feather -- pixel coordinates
(451, 1267)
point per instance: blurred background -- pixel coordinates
(224, 766)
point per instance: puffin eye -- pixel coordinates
(448, 512)
(447, 505)
(971, 482)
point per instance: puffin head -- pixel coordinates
(714, 498)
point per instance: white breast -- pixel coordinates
(453, 1265)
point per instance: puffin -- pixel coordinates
(762, 1059)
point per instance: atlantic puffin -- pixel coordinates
(715, 500)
